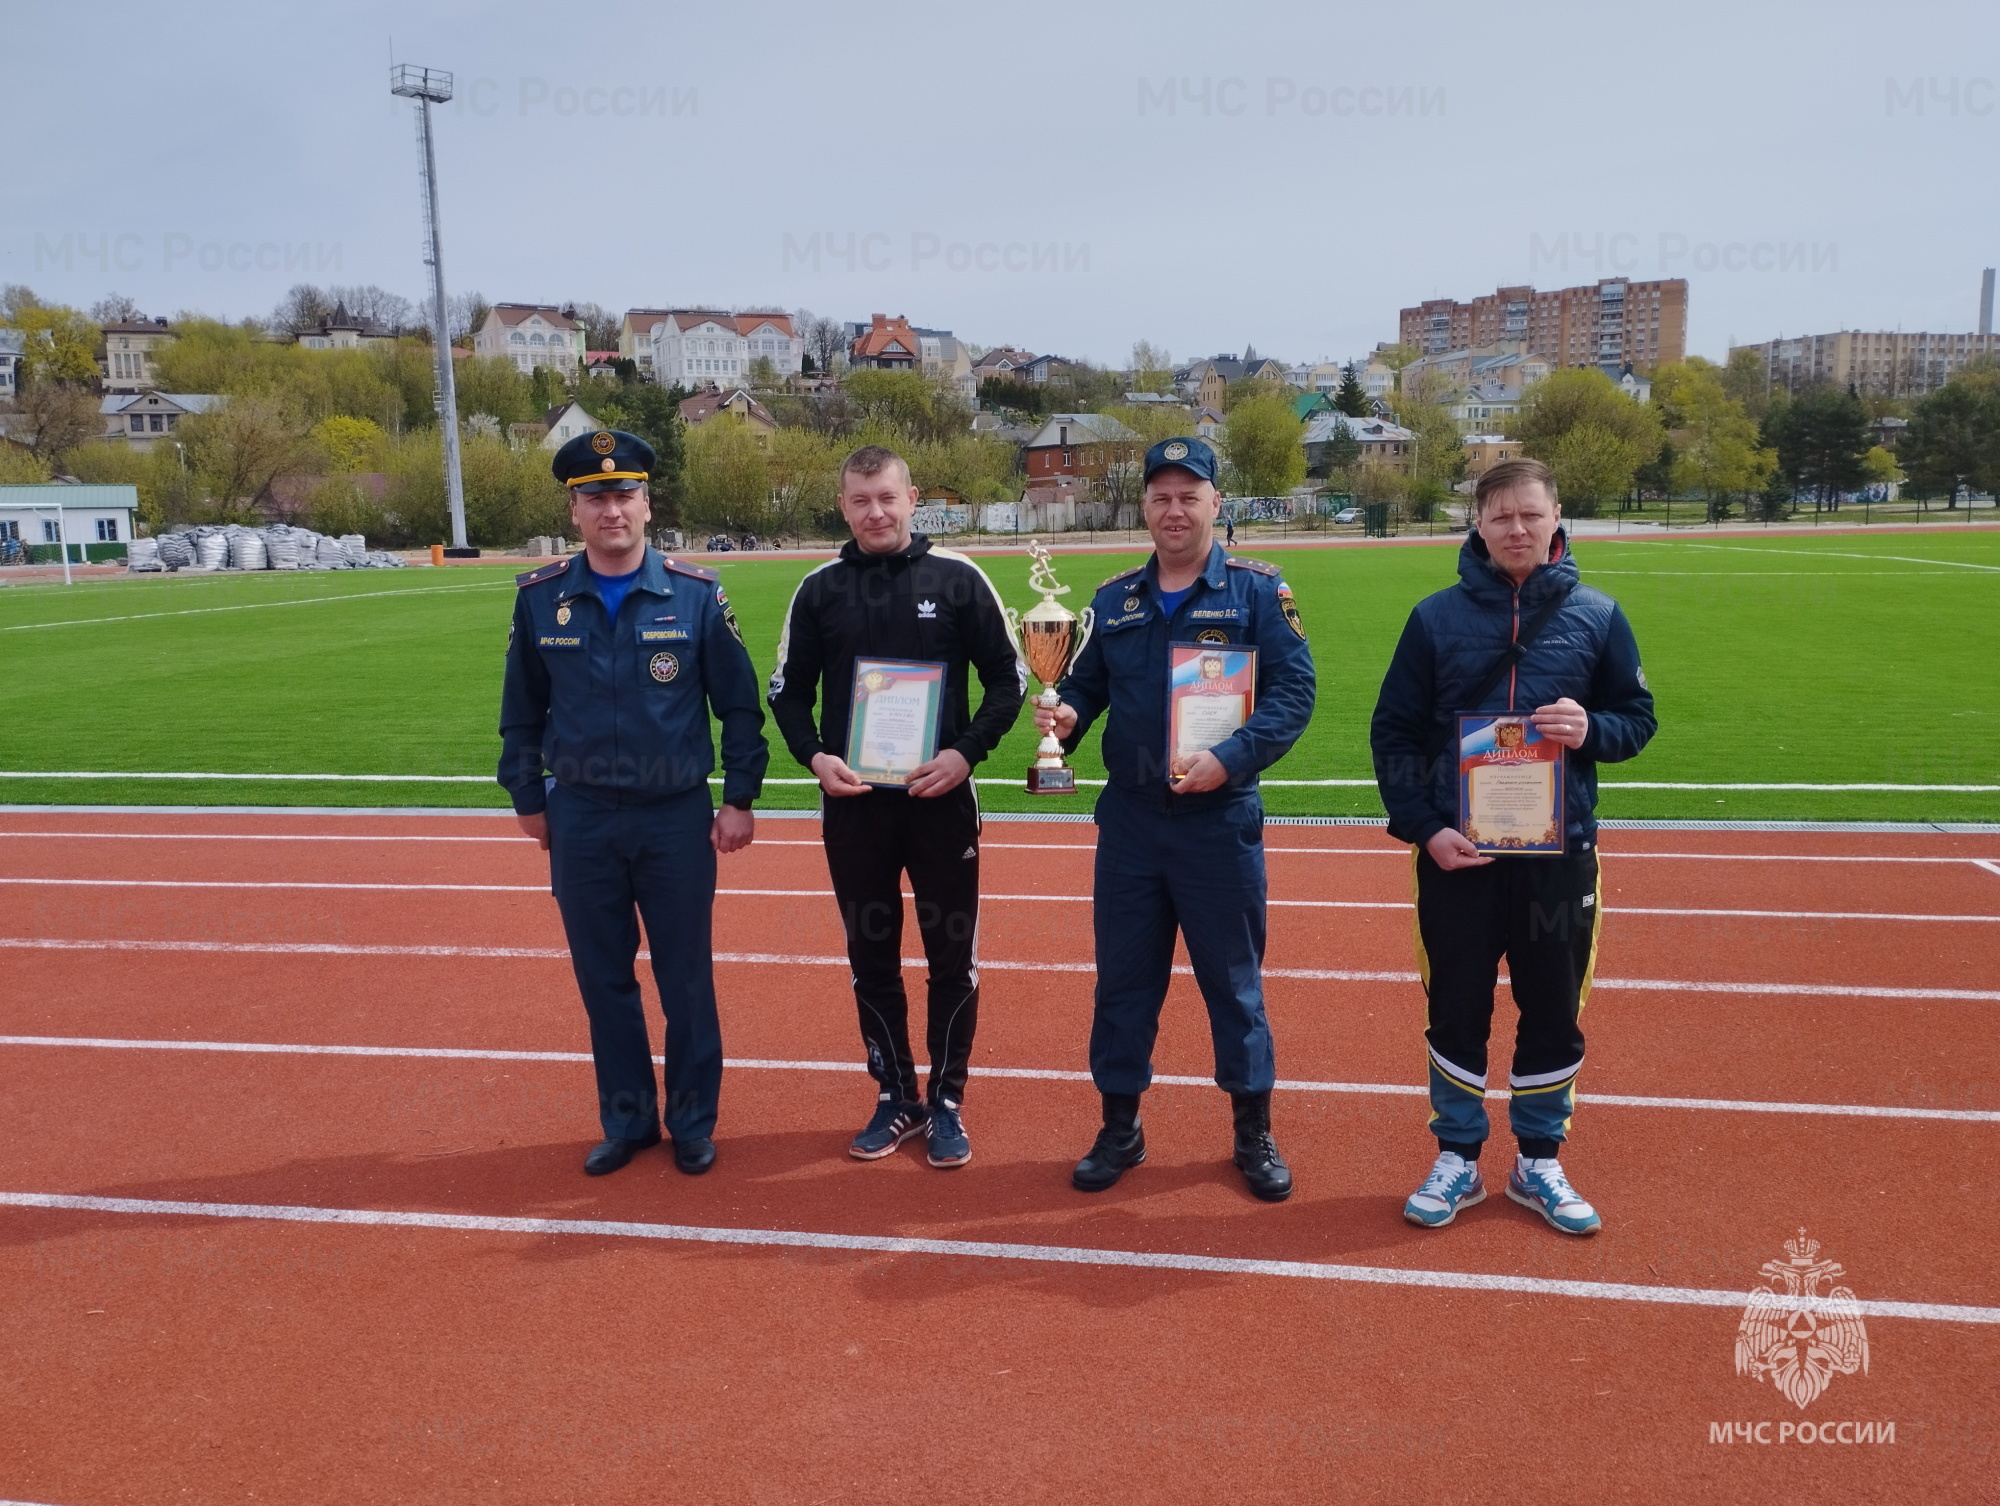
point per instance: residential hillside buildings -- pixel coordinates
(704, 406)
(1382, 442)
(885, 344)
(1004, 362)
(1506, 364)
(128, 354)
(532, 336)
(635, 337)
(141, 419)
(1612, 323)
(1205, 382)
(13, 344)
(1484, 451)
(1886, 363)
(1068, 445)
(341, 330)
(697, 347)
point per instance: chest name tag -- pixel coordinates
(1216, 614)
(559, 640)
(663, 635)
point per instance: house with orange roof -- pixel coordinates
(886, 345)
(532, 336)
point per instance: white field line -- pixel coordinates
(1901, 559)
(784, 959)
(252, 606)
(1624, 784)
(1050, 899)
(1033, 1074)
(1402, 853)
(1478, 1281)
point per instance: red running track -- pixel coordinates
(160, 1355)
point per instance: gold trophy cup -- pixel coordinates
(1050, 643)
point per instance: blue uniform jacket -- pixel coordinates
(617, 709)
(1586, 652)
(1123, 669)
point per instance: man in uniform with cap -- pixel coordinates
(614, 659)
(1182, 848)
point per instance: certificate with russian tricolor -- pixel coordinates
(1510, 784)
(1211, 691)
(892, 723)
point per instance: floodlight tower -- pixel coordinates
(429, 86)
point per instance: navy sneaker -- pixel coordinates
(949, 1144)
(893, 1124)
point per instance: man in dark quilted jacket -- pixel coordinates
(1565, 654)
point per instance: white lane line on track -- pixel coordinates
(784, 959)
(1033, 1074)
(1402, 853)
(1901, 559)
(252, 606)
(1051, 899)
(1478, 1281)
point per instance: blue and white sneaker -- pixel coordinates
(949, 1144)
(1453, 1184)
(1541, 1185)
(893, 1124)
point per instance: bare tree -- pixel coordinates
(114, 308)
(464, 313)
(57, 417)
(600, 326)
(378, 305)
(303, 306)
(826, 342)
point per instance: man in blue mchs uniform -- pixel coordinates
(1518, 632)
(1183, 848)
(614, 658)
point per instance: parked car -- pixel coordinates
(1348, 515)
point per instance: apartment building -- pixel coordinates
(1890, 363)
(1611, 324)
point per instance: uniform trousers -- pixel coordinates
(871, 841)
(1542, 915)
(611, 866)
(1163, 868)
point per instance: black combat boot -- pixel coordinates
(1121, 1145)
(1256, 1152)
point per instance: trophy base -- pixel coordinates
(1051, 781)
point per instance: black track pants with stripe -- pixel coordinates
(1542, 915)
(871, 840)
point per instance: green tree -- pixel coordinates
(1351, 398)
(1591, 465)
(345, 443)
(1953, 441)
(61, 344)
(1718, 451)
(1262, 444)
(1745, 379)
(233, 452)
(1152, 368)
(54, 418)
(1822, 441)
(1584, 395)
(728, 478)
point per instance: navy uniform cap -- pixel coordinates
(1193, 455)
(611, 456)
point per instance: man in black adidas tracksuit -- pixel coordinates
(890, 595)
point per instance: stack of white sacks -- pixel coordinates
(278, 547)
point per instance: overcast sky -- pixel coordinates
(1069, 177)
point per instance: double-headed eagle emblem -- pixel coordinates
(1796, 1334)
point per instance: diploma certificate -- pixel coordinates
(892, 725)
(1510, 784)
(1211, 691)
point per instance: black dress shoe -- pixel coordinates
(694, 1156)
(1121, 1145)
(613, 1153)
(1256, 1152)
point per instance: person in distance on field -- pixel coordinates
(615, 658)
(1519, 630)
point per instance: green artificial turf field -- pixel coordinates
(1789, 659)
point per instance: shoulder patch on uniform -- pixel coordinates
(1119, 576)
(543, 572)
(1259, 566)
(699, 572)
